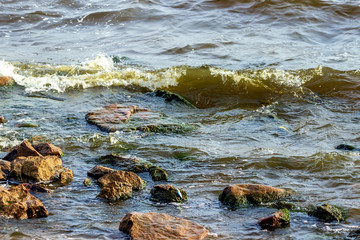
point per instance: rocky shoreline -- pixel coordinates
(28, 165)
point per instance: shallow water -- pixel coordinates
(277, 86)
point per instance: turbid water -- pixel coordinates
(277, 86)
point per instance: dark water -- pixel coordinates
(277, 86)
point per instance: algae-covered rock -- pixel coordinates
(238, 195)
(116, 117)
(99, 171)
(131, 164)
(116, 191)
(124, 177)
(87, 182)
(347, 147)
(327, 213)
(27, 125)
(280, 219)
(18, 203)
(282, 205)
(156, 226)
(158, 174)
(167, 193)
(173, 97)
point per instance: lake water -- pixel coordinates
(277, 86)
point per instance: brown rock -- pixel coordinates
(23, 150)
(17, 202)
(280, 219)
(243, 194)
(39, 169)
(2, 119)
(87, 182)
(34, 188)
(46, 149)
(125, 177)
(130, 164)
(4, 169)
(99, 171)
(116, 191)
(167, 193)
(5, 80)
(66, 176)
(2, 176)
(154, 226)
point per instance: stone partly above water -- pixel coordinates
(280, 219)
(99, 171)
(2, 119)
(238, 195)
(167, 193)
(116, 117)
(124, 177)
(6, 80)
(18, 203)
(115, 191)
(156, 226)
(327, 213)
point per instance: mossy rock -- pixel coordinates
(173, 97)
(131, 164)
(283, 205)
(328, 213)
(158, 174)
(280, 219)
(116, 191)
(167, 193)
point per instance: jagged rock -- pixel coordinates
(34, 188)
(46, 149)
(167, 193)
(66, 176)
(156, 226)
(116, 117)
(158, 174)
(238, 195)
(116, 191)
(2, 119)
(170, 96)
(124, 177)
(23, 150)
(327, 213)
(4, 169)
(280, 219)
(131, 164)
(99, 171)
(39, 169)
(6, 80)
(17, 202)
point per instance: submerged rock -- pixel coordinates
(280, 219)
(23, 150)
(116, 117)
(116, 191)
(282, 205)
(99, 171)
(2, 119)
(168, 193)
(327, 213)
(18, 203)
(6, 80)
(123, 177)
(27, 125)
(170, 97)
(40, 169)
(156, 226)
(347, 147)
(158, 174)
(238, 195)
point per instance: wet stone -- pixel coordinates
(99, 171)
(2, 119)
(328, 213)
(115, 191)
(280, 219)
(167, 193)
(125, 177)
(131, 164)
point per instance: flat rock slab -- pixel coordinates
(116, 117)
(154, 226)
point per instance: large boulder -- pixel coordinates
(40, 169)
(99, 171)
(116, 191)
(167, 193)
(156, 226)
(123, 177)
(18, 203)
(280, 219)
(327, 213)
(116, 117)
(238, 195)
(23, 150)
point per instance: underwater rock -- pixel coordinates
(170, 96)
(23, 150)
(46, 149)
(347, 147)
(18, 203)
(282, 205)
(99, 171)
(156, 226)
(238, 195)
(167, 193)
(115, 191)
(327, 213)
(130, 164)
(353, 235)
(40, 169)
(280, 219)
(27, 125)
(158, 174)
(6, 80)
(125, 177)
(116, 117)
(2, 119)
